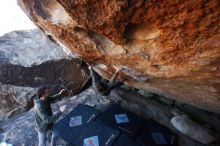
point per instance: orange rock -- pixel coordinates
(170, 47)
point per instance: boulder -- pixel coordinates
(168, 47)
(27, 48)
(192, 129)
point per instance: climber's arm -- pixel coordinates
(115, 75)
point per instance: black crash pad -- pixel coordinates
(125, 140)
(69, 129)
(156, 135)
(132, 125)
(104, 135)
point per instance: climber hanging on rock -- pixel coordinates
(44, 117)
(103, 86)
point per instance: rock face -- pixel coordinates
(23, 60)
(14, 100)
(167, 47)
(52, 72)
(28, 47)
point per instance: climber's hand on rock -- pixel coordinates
(62, 91)
(90, 67)
(118, 69)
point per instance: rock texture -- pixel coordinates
(28, 47)
(168, 47)
(52, 72)
(14, 100)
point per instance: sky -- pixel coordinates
(13, 18)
